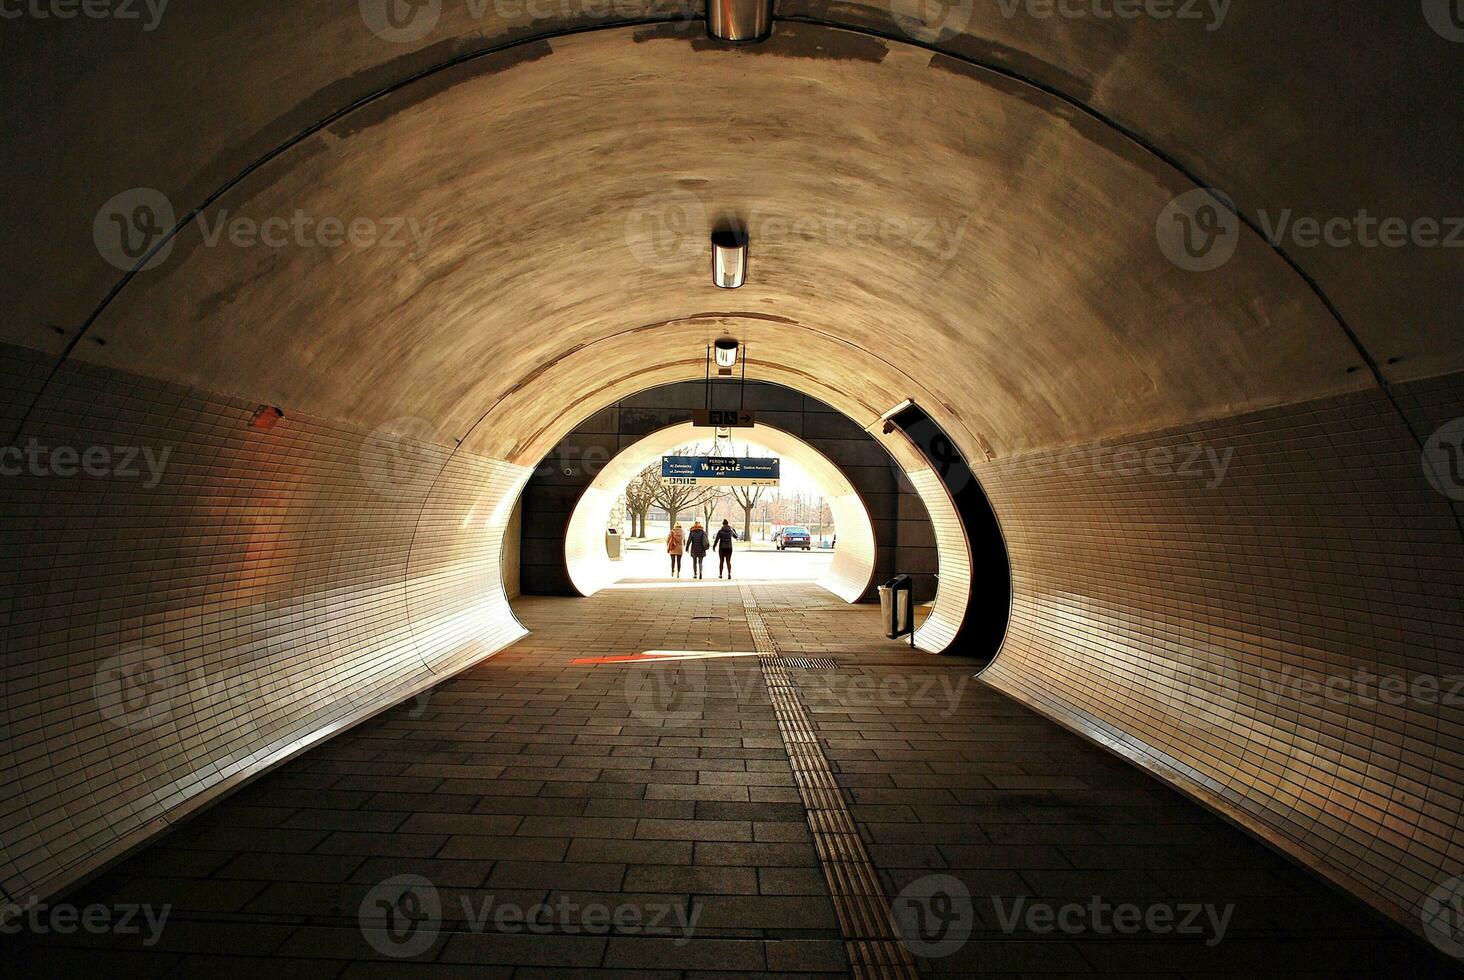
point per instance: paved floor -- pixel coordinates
(636, 802)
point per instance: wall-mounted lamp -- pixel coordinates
(266, 417)
(729, 258)
(726, 352)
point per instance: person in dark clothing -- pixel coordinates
(724, 538)
(697, 544)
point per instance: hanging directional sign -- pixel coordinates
(728, 419)
(739, 471)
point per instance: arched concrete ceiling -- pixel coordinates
(1043, 312)
(1274, 107)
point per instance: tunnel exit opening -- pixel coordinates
(846, 573)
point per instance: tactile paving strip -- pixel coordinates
(870, 938)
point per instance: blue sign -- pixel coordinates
(741, 471)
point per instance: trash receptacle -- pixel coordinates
(612, 543)
(896, 607)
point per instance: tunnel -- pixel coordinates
(1129, 332)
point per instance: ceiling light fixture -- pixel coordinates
(729, 258)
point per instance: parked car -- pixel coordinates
(793, 537)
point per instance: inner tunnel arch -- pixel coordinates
(584, 547)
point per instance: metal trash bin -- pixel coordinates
(612, 543)
(897, 607)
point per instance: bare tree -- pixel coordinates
(747, 498)
(710, 505)
(673, 498)
(640, 496)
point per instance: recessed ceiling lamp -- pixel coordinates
(726, 351)
(740, 21)
(729, 258)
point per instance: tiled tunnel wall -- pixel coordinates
(904, 539)
(1183, 606)
(1218, 623)
(169, 632)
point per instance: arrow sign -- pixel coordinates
(728, 419)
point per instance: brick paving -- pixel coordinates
(645, 813)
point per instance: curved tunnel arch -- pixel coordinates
(584, 547)
(1048, 354)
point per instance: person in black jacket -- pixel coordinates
(724, 538)
(696, 546)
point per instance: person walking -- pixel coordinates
(697, 543)
(725, 537)
(675, 545)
